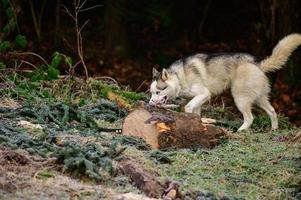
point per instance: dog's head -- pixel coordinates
(164, 86)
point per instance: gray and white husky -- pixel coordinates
(202, 76)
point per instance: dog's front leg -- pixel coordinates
(195, 104)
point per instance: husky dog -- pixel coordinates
(204, 75)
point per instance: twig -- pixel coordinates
(68, 12)
(33, 54)
(28, 63)
(90, 8)
(170, 106)
(106, 77)
(83, 26)
(72, 69)
(68, 44)
(138, 88)
(78, 8)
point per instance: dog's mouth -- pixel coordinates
(162, 102)
(165, 100)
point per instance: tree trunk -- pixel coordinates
(115, 28)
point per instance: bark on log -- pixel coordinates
(143, 180)
(163, 128)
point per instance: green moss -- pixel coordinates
(70, 90)
(130, 97)
(45, 174)
(133, 96)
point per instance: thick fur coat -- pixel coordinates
(204, 75)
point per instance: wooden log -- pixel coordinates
(163, 128)
(143, 180)
(148, 182)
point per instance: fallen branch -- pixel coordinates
(143, 180)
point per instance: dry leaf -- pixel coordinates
(119, 100)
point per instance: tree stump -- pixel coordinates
(162, 128)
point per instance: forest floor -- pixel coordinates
(60, 139)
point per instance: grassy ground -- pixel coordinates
(71, 154)
(247, 166)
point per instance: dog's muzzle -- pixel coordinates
(160, 100)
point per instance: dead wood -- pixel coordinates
(148, 182)
(143, 180)
(163, 128)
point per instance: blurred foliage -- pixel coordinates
(11, 29)
(4, 46)
(49, 71)
(20, 41)
(2, 65)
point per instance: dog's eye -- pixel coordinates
(158, 92)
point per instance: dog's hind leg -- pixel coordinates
(263, 102)
(248, 84)
(245, 107)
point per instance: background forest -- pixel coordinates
(125, 39)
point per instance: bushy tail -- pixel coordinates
(280, 53)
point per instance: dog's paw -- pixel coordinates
(242, 129)
(188, 108)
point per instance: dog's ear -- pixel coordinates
(155, 72)
(165, 75)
